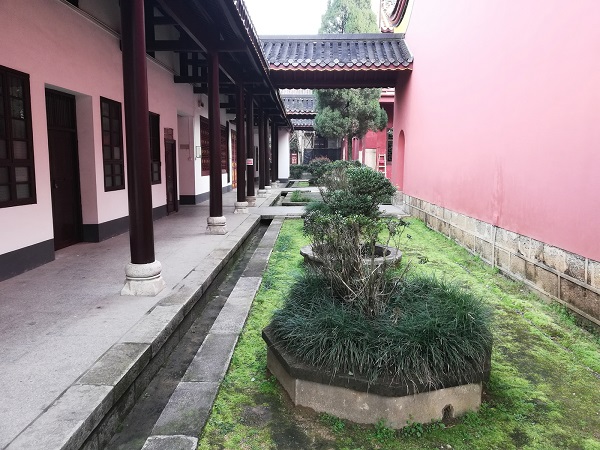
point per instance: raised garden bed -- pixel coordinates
(382, 252)
(351, 397)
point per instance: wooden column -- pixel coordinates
(267, 169)
(214, 126)
(275, 152)
(241, 145)
(250, 144)
(135, 85)
(261, 150)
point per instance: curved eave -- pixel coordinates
(332, 79)
(395, 18)
(296, 67)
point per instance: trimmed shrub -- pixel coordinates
(349, 190)
(297, 170)
(317, 168)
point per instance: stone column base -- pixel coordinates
(216, 225)
(251, 200)
(143, 279)
(262, 193)
(275, 184)
(241, 208)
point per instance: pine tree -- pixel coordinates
(348, 112)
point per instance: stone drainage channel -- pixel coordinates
(172, 411)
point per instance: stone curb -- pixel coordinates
(189, 407)
(124, 371)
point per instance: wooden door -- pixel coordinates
(64, 168)
(171, 174)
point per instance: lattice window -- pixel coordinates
(204, 145)
(390, 143)
(112, 145)
(233, 145)
(154, 120)
(17, 179)
(224, 150)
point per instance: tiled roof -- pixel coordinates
(303, 123)
(299, 104)
(337, 51)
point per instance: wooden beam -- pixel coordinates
(181, 45)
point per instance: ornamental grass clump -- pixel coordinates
(361, 312)
(430, 333)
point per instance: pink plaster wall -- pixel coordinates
(501, 115)
(84, 59)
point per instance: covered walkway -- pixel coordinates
(58, 320)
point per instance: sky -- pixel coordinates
(284, 17)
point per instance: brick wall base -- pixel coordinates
(558, 274)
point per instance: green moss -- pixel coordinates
(544, 391)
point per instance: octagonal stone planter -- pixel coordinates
(352, 398)
(392, 254)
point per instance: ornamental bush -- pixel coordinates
(317, 167)
(353, 314)
(297, 170)
(354, 189)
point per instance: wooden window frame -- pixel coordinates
(112, 161)
(205, 148)
(155, 162)
(389, 144)
(10, 162)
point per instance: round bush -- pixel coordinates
(431, 331)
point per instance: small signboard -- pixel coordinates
(249, 162)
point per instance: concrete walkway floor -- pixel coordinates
(64, 325)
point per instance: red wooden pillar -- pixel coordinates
(216, 221)
(261, 153)
(250, 149)
(274, 152)
(267, 168)
(241, 206)
(144, 272)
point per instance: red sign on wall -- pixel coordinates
(250, 162)
(294, 158)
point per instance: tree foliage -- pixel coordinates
(348, 16)
(348, 112)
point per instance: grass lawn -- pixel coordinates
(301, 184)
(544, 391)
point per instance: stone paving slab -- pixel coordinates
(234, 312)
(212, 359)
(171, 443)
(189, 406)
(118, 367)
(69, 421)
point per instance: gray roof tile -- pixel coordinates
(299, 104)
(353, 51)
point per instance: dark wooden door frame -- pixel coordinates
(55, 184)
(171, 175)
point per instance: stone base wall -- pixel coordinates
(566, 277)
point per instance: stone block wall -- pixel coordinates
(566, 277)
